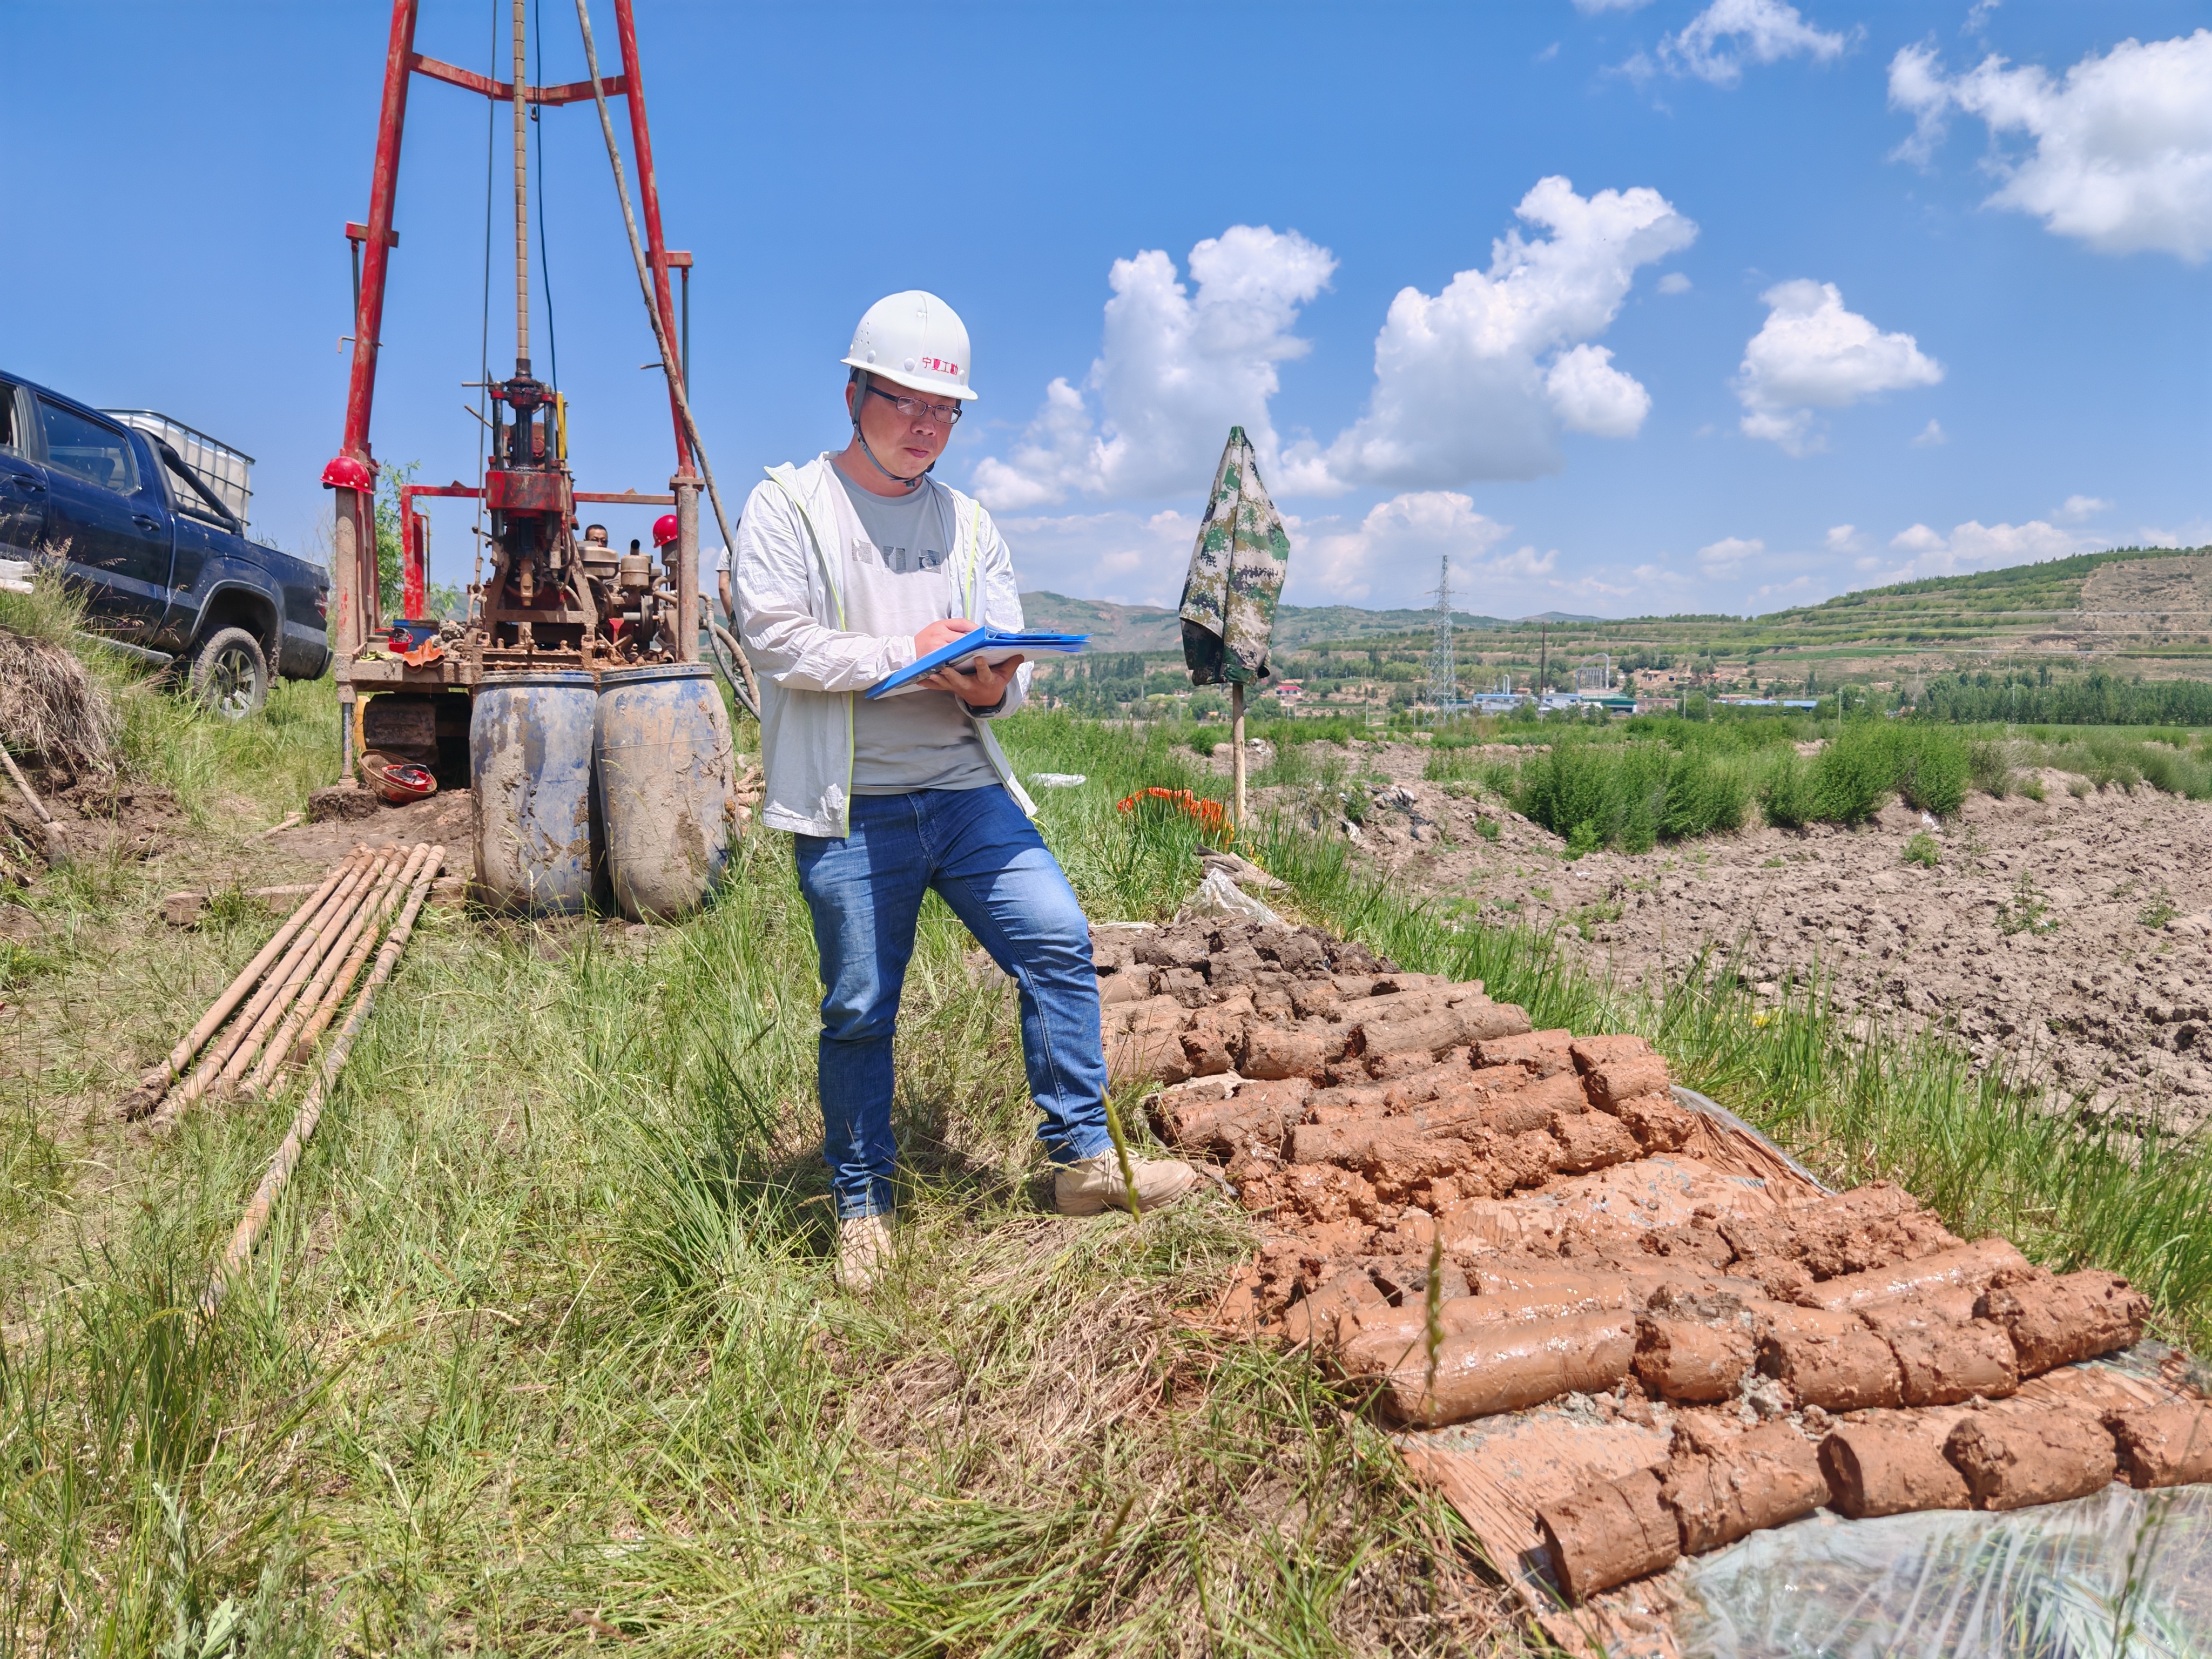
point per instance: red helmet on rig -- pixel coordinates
(664, 529)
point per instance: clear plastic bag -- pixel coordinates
(2121, 1574)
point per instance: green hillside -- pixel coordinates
(2133, 612)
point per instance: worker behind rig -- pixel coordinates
(849, 568)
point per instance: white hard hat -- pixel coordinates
(914, 340)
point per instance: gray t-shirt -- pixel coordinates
(896, 582)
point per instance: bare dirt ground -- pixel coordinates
(2070, 937)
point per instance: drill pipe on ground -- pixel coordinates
(153, 1082)
(280, 981)
(303, 1045)
(368, 922)
(255, 1221)
(317, 950)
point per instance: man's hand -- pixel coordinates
(940, 634)
(984, 688)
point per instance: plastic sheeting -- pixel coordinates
(2121, 1574)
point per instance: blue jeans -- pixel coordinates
(986, 861)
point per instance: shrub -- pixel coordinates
(1785, 793)
(1854, 776)
(1990, 767)
(1932, 768)
(1487, 828)
(1706, 795)
(1924, 851)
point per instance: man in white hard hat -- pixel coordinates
(849, 568)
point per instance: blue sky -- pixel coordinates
(1795, 299)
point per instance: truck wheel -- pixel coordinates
(229, 673)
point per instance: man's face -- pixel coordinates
(906, 444)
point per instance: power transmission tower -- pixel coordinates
(1444, 673)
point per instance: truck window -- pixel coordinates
(8, 438)
(92, 450)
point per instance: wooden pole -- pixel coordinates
(255, 1221)
(154, 1081)
(282, 979)
(364, 927)
(303, 1045)
(1237, 742)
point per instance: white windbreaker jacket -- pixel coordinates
(791, 615)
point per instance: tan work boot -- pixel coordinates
(1091, 1184)
(864, 1251)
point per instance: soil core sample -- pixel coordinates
(1682, 1359)
(1945, 1364)
(2015, 1459)
(1877, 1469)
(2164, 1445)
(1506, 1368)
(1608, 1533)
(1847, 1370)
(2059, 1322)
(1722, 1490)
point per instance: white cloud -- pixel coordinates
(1126, 558)
(1978, 16)
(1463, 389)
(2195, 532)
(1673, 282)
(1727, 557)
(2121, 145)
(1931, 436)
(1394, 547)
(2076, 509)
(1175, 372)
(1590, 395)
(1842, 538)
(1718, 40)
(1813, 354)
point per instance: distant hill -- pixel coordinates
(1154, 627)
(2137, 610)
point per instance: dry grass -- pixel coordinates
(52, 711)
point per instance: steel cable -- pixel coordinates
(651, 306)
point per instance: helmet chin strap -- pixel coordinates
(860, 390)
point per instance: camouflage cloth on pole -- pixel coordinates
(1236, 575)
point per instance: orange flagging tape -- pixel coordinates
(1213, 817)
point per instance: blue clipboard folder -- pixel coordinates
(994, 645)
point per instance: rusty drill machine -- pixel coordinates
(555, 609)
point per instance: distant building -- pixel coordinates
(1289, 691)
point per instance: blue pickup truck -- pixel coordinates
(156, 545)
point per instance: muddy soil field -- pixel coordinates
(2070, 937)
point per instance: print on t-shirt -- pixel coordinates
(899, 561)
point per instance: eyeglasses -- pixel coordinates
(919, 408)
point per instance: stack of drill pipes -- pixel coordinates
(319, 926)
(255, 1221)
(153, 1082)
(310, 958)
(367, 922)
(304, 1044)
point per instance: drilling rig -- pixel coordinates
(546, 601)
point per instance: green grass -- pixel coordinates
(1650, 780)
(542, 1347)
